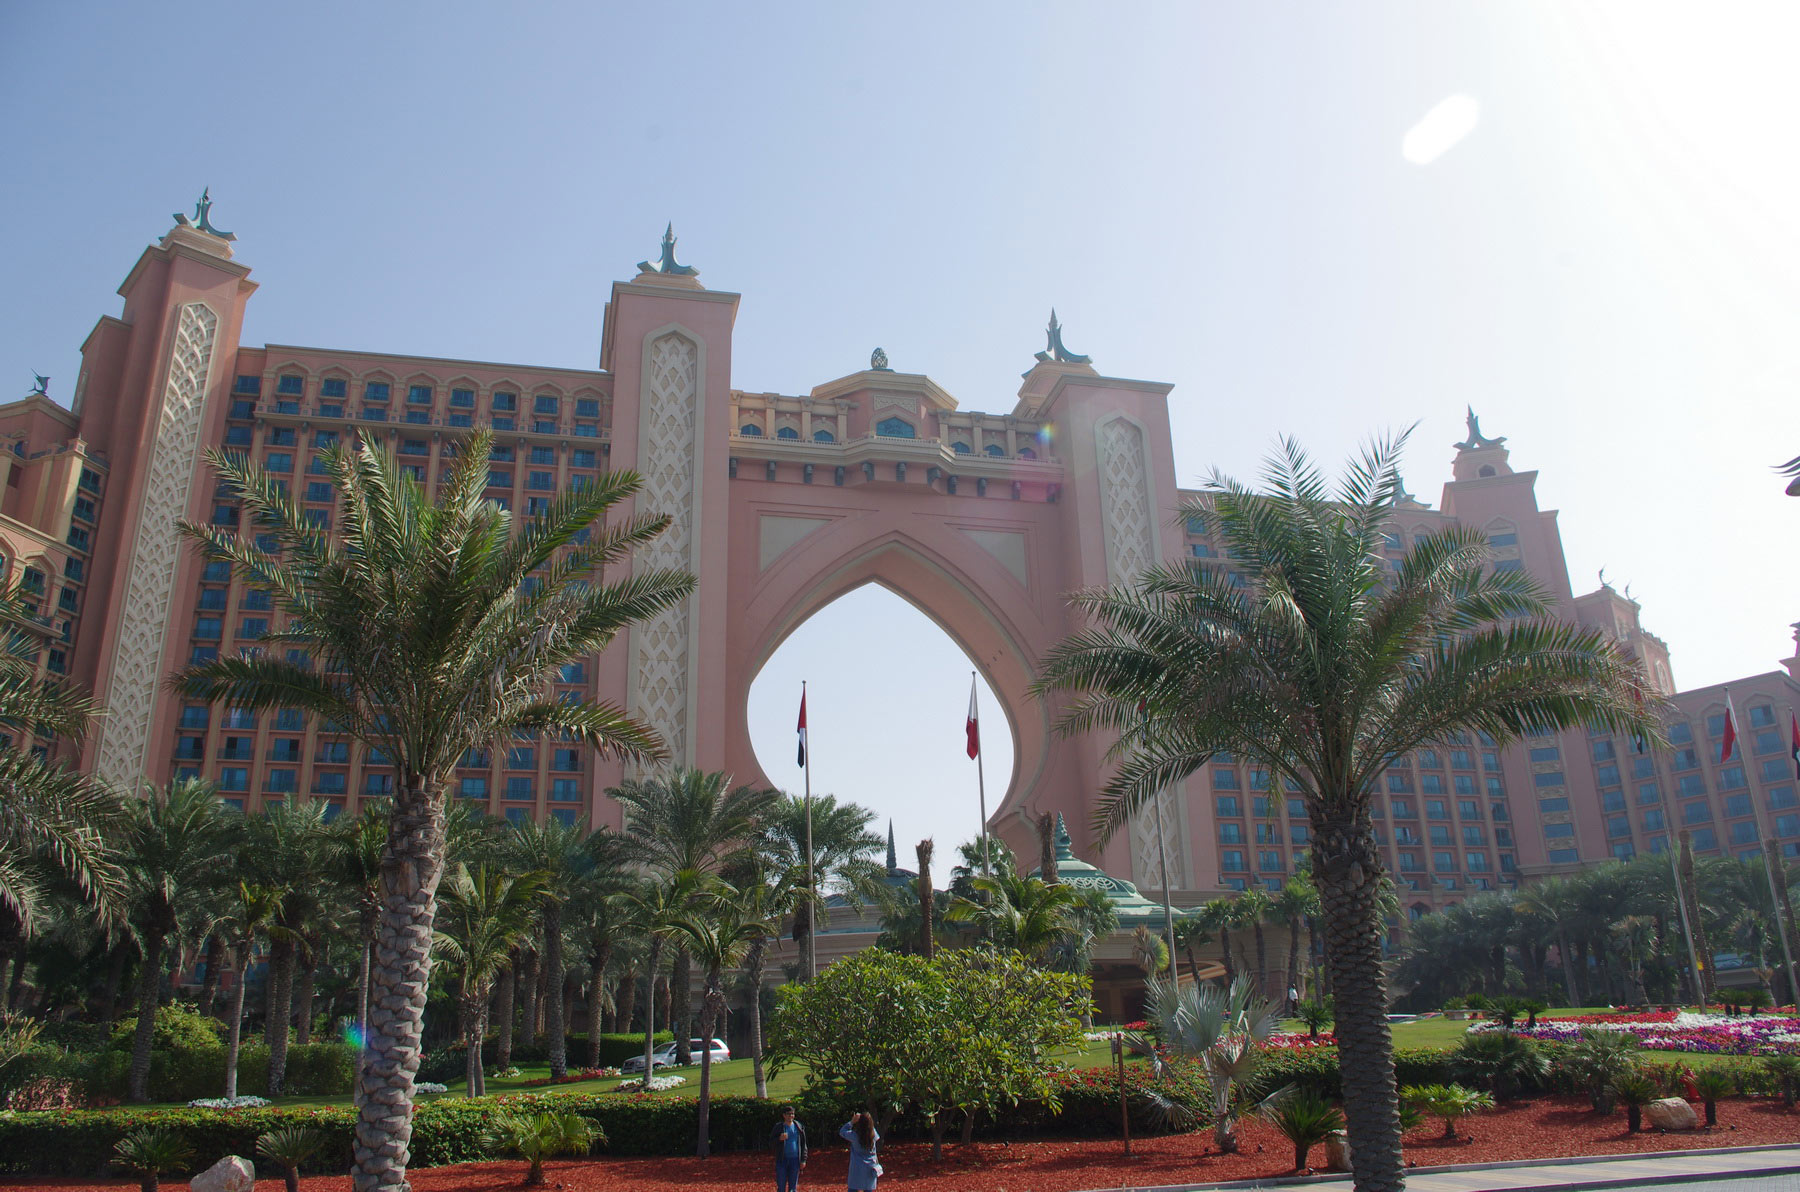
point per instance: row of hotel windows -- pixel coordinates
(503, 416)
(1233, 860)
(285, 436)
(380, 392)
(335, 807)
(889, 428)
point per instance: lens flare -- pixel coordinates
(1441, 130)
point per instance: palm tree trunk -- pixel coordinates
(681, 1004)
(712, 1001)
(1315, 958)
(138, 1083)
(1348, 864)
(656, 947)
(1293, 964)
(471, 1004)
(412, 862)
(1046, 826)
(626, 1013)
(598, 960)
(234, 1031)
(369, 921)
(503, 1013)
(753, 973)
(528, 990)
(1568, 963)
(107, 1011)
(1225, 950)
(1262, 959)
(215, 960)
(1692, 894)
(281, 1011)
(553, 991)
(303, 997)
(927, 938)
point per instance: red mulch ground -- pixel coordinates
(1548, 1128)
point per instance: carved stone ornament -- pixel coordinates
(1054, 352)
(878, 361)
(668, 264)
(202, 220)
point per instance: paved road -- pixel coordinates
(1748, 1169)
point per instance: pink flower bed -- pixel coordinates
(1671, 1031)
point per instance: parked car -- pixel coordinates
(664, 1056)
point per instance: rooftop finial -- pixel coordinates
(1054, 352)
(1476, 439)
(1065, 849)
(878, 361)
(202, 220)
(893, 856)
(42, 387)
(668, 265)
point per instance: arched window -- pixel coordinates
(895, 428)
(1027, 453)
(1488, 470)
(994, 449)
(786, 432)
(751, 429)
(960, 448)
(824, 436)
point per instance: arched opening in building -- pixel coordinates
(888, 695)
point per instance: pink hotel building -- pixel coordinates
(781, 503)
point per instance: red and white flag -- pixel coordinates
(973, 725)
(1730, 737)
(801, 727)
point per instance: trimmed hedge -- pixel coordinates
(1316, 1071)
(184, 1074)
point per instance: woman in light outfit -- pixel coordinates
(864, 1167)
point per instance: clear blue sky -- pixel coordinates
(1605, 266)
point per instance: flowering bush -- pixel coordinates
(228, 1103)
(654, 1084)
(1683, 1031)
(46, 1092)
(430, 1086)
(1297, 1042)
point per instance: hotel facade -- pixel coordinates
(780, 504)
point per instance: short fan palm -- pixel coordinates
(1449, 1103)
(1304, 1119)
(535, 1137)
(1309, 656)
(424, 629)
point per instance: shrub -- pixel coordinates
(535, 1137)
(1304, 1120)
(150, 1152)
(185, 1074)
(1449, 1103)
(1316, 1016)
(446, 1063)
(1596, 1060)
(1316, 1070)
(1713, 1082)
(177, 1026)
(288, 1147)
(1499, 1061)
(1635, 1089)
(1784, 1072)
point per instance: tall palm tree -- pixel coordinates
(1020, 913)
(567, 857)
(1294, 906)
(927, 940)
(483, 912)
(424, 630)
(1218, 916)
(288, 848)
(690, 820)
(719, 929)
(600, 920)
(1308, 656)
(252, 912)
(1556, 903)
(766, 895)
(53, 823)
(1192, 933)
(1251, 909)
(653, 907)
(178, 844)
(844, 853)
(359, 869)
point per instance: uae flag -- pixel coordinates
(801, 727)
(973, 725)
(1794, 745)
(1730, 737)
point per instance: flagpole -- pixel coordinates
(812, 885)
(1787, 951)
(980, 785)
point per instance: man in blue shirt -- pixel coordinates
(789, 1140)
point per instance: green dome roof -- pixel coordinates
(1131, 907)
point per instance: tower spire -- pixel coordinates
(893, 857)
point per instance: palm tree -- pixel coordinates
(653, 907)
(844, 852)
(600, 919)
(690, 820)
(566, 856)
(253, 912)
(178, 842)
(1251, 909)
(1556, 903)
(359, 869)
(766, 895)
(1311, 658)
(1020, 913)
(288, 849)
(927, 941)
(482, 913)
(53, 823)
(424, 630)
(718, 930)
(1295, 906)
(1192, 934)
(1218, 916)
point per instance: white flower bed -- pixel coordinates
(656, 1084)
(427, 1086)
(229, 1103)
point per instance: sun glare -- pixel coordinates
(1442, 128)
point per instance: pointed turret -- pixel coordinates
(893, 856)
